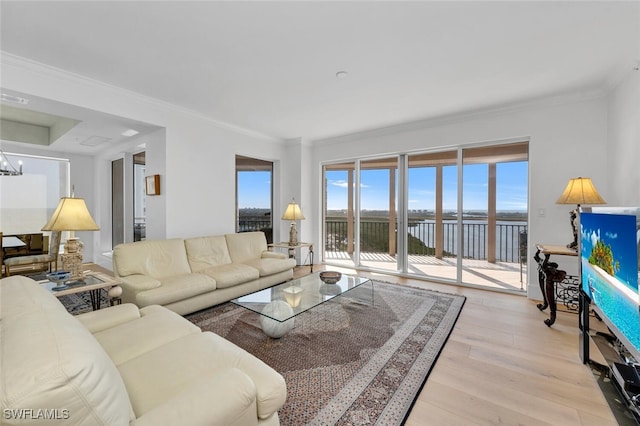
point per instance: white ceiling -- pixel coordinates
(271, 66)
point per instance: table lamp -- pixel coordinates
(579, 191)
(72, 215)
(293, 213)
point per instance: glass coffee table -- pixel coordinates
(279, 305)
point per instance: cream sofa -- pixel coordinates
(123, 365)
(187, 275)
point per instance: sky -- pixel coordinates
(617, 231)
(511, 183)
(254, 188)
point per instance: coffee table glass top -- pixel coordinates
(300, 294)
(87, 281)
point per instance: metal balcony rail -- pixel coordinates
(374, 238)
(253, 224)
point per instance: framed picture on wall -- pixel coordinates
(152, 185)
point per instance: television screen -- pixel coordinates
(609, 269)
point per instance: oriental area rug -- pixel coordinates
(347, 362)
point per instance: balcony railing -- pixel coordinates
(253, 224)
(374, 238)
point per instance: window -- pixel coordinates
(254, 204)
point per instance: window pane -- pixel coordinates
(254, 195)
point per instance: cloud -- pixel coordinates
(345, 184)
(611, 236)
(595, 237)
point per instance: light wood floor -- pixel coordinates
(503, 366)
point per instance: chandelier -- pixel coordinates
(7, 168)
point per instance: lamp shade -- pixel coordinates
(71, 215)
(580, 191)
(293, 212)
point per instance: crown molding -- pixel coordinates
(504, 109)
(38, 68)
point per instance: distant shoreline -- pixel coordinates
(504, 215)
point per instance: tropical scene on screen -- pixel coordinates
(609, 261)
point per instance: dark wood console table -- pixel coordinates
(553, 280)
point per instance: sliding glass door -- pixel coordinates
(378, 213)
(339, 214)
(432, 214)
(494, 220)
(456, 216)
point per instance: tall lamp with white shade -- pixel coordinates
(579, 191)
(293, 213)
(72, 215)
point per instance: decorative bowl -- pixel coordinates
(330, 277)
(59, 277)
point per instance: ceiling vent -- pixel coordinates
(94, 141)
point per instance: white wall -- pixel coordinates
(624, 142)
(567, 139)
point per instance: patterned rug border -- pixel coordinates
(344, 404)
(444, 343)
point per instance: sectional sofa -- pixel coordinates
(187, 275)
(123, 366)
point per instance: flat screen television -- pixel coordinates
(609, 244)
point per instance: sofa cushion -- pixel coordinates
(156, 258)
(204, 252)
(246, 246)
(50, 360)
(176, 288)
(270, 266)
(232, 274)
(155, 327)
(193, 356)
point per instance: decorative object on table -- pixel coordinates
(579, 191)
(330, 277)
(293, 213)
(293, 295)
(7, 168)
(72, 215)
(60, 278)
(152, 185)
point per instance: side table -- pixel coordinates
(93, 283)
(292, 250)
(549, 276)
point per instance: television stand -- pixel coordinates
(609, 351)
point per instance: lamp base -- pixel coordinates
(72, 262)
(293, 235)
(573, 215)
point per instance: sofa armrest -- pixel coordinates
(273, 255)
(225, 398)
(103, 319)
(137, 282)
(271, 389)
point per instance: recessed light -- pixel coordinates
(15, 99)
(342, 74)
(130, 132)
